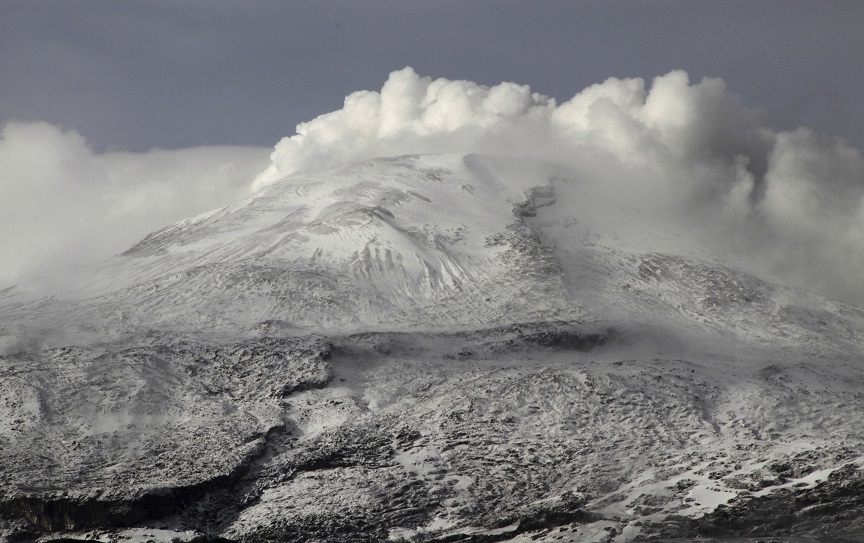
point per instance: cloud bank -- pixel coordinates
(64, 205)
(793, 201)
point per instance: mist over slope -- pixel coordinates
(416, 243)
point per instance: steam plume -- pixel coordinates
(790, 200)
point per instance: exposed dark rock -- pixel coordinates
(832, 510)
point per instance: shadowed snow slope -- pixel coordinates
(429, 348)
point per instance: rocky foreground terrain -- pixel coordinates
(436, 348)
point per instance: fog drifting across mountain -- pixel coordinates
(691, 154)
(63, 205)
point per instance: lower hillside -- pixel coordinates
(556, 431)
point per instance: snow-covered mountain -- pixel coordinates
(430, 348)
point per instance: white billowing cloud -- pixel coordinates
(411, 114)
(64, 205)
(414, 114)
(693, 151)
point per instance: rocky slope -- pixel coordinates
(435, 348)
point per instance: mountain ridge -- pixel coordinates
(428, 348)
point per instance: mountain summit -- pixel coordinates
(453, 347)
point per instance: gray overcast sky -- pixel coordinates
(131, 75)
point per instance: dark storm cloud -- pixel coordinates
(135, 75)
